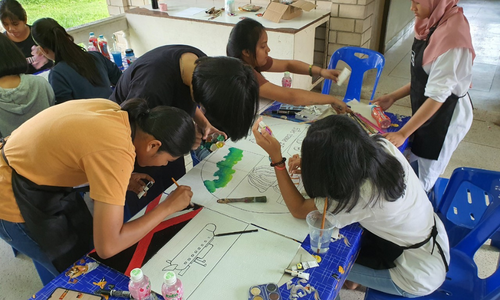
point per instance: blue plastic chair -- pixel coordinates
(461, 201)
(462, 281)
(359, 66)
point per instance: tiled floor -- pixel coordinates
(480, 149)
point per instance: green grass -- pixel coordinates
(68, 13)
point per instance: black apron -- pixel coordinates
(56, 217)
(428, 139)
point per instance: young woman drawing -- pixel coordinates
(92, 141)
(366, 179)
(441, 74)
(77, 74)
(220, 93)
(248, 42)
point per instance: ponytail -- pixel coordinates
(173, 127)
(47, 33)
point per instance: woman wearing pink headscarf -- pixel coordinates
(441, 74)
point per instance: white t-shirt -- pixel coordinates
(405, 222)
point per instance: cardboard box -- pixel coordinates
(276, 11)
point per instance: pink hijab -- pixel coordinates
(452, 32)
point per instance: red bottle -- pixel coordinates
(93, 40)
(382, 119)
(103, 46)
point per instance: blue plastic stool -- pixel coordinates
(373, 60)
(462, 201)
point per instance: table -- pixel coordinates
(302, 38)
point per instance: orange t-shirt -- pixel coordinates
(67, 145)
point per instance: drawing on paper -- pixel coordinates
(225, 171)
(194, 252)
(252, 175)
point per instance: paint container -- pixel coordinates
(269, 291)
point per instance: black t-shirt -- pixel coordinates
(25, 47)
(156, 77)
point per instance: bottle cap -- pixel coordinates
(101, 36)
(136, 275)
(170, 278)
(287, 74)
(129, 51)
(91, 33)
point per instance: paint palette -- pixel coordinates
(269, 291)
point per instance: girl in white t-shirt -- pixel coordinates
(367, 180)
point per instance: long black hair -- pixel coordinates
(244, 36)
(338, 157)
(229, 92)
(13, 10)
(47, 33)
(13, 61)
(173, 127)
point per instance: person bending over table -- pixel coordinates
(404, 249)
(92, 141)
(77, 74)
(248, 42)
(14, 20)
(220, 93)
(441, 74)
(21, 96)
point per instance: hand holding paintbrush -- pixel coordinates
(178, 186)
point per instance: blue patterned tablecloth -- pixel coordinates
(334, 266)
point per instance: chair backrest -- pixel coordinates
(468, 193)
(370, 60)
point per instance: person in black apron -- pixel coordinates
(441, 108)
(44, 217)
(367, 180)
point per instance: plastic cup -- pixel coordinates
(320, 238)
(163, 6)
(117, 57)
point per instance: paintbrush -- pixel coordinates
(323, 221)
(259, 199)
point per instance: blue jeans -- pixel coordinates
(17, 235)
(379, 280)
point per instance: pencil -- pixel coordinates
(190, 203)
(236, 232)
(323, 221)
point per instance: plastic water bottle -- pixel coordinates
(172, 287)
(287, 80)
(93, 40)
(91, 47)
(140, 286)
(129, 56)
(103, 46)
(229, 7)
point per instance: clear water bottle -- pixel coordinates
(229, 7)
(129, 56)
(140, 286)
(172, 287)
(287, 80)
(91, 47)
(93, 40)
(103, 46)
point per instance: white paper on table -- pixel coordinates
(220, 267)
(253, 177)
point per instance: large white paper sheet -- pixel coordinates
(225, 267)
(252, 177)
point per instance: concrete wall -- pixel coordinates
(399, 21)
